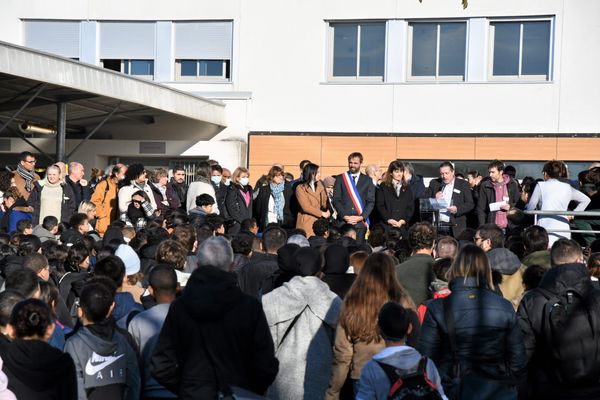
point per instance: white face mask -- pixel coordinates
(215, 179)
(227, 181)
(244, 181)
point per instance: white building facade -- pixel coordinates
(391, 69)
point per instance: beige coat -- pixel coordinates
(348, 356)
(312, 203)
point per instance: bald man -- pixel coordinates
(77, 183)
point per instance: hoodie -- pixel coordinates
(106, 364)
(37, 371)
(213, 315)
(43, 233)
(337, 261)
(375, 384)
(124, 304)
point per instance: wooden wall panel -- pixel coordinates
(509, 148)
(288, 150)
(435, 148)
(578, 149)
(375, 150)
(335, 170)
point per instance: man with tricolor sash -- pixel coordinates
(354, 196)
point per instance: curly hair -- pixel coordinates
(172, 253)
(421, 236)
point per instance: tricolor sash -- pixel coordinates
(354, 195)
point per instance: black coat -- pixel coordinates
(181, 191)
(221, 193)
(236, 205)
(391, 206)
(81, 192)
(68, 206)
(252, 275)
(343, 203)
(261, 207)
(38, 371)
(462, 198)
(487, 195)
(213, 315)
(542, 382)
(489, 339)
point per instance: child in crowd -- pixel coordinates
(397, 360)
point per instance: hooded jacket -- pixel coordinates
(106, 364)
(375, 384)
(308, 311)
(337, 261)
(38, 371)
(214, 315)
(541, 376)
(43, 233)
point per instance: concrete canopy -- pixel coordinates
(126, 107)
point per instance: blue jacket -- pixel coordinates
(488, 336)
(375, 384)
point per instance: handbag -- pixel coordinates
(471, 385)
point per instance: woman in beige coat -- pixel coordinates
(312, 199)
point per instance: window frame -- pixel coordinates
(519, 77)
(226, 64)
(409, 49)
(331, 43)
(127, 63)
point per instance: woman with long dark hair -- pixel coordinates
(272, 201)
(490, 345)
(238, 201)
(312, 199)
(357, 338)
(394, 200)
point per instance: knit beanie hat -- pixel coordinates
(503, 261)
(299, 240)
(129, 258)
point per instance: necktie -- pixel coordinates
(355, 177)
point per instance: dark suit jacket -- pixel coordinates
(343, 203)
(462, 198)
(395, 207)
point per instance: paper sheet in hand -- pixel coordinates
(496, 206)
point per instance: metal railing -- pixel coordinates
(537, 213)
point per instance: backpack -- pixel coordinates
(570, 329)
(409, 386)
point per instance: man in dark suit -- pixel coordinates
(344, 203)
(457, 194)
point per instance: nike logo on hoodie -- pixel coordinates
(97, 363)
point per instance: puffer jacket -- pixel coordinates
(488, 336)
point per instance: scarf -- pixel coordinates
(28, 176)
(134, 213)
(277, 193)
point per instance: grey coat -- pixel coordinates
(306, 354)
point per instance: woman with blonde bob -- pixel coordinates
(357, 338)
(238, 200)
(489, 345)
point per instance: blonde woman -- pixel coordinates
(88, 208)
(238, 200)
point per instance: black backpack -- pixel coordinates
(409, 386)
(570, 329)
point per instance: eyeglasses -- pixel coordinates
(30, 161)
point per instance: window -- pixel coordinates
(521, 50)
(203, 50)
(202, 69)
(358, 50)
(139, 68)
(437, 50)
(53, 36)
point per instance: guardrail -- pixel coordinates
(536, 213)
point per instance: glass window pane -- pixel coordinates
(424, 45)
(188, 67)
(536, 48)
(372, 49)
(142, 67)
(344, 49)
(453, 38)
(506, 48)
(211, 68)
(125, 66)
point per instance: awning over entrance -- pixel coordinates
(74, 100)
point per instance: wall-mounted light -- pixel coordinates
(29, 128)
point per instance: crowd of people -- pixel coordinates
(135, 284)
